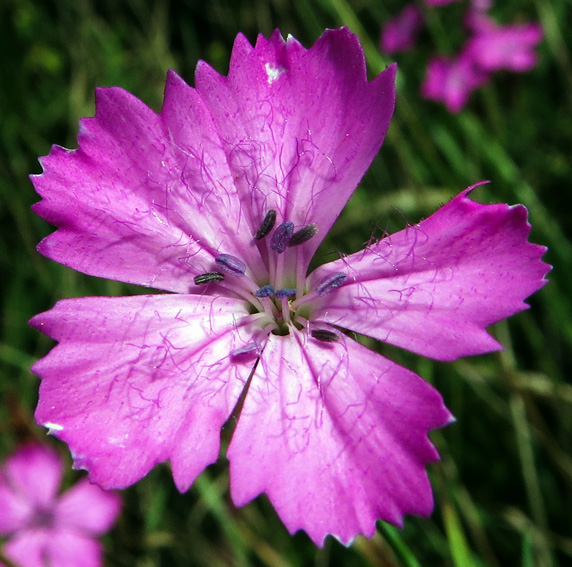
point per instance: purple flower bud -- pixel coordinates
(267, 225)
(281, 237)
(331, 282)
(230, 264)
(303, 235)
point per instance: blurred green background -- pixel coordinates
(503, 489)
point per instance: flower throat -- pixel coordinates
(274, 306)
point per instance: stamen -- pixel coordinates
(325, 336)
(209, 277)
(285, 292)
(285, 311)
(248, 348)
(331, 282)
(231, 264)
(267, 225)
(264, 291)
(301, 269)
(303, 235)
(281, 237)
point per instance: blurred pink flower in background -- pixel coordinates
(439, 2)
(481, 5)
(495, 47)
(451, 81)
(476, 17)
(400, 32)
(46, 529)
(490, 47)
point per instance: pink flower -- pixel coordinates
(400, 32)
(47, 529)
(497, 47)
(481, 5)
(439, 2)
(476, 21)
(476, 17)
(222, 199)
(451, 81)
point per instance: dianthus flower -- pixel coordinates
(476, 17)
(47, 529)
(400, 32)
(222, 199)
(452, 80)
(439, 2)
(495, 47)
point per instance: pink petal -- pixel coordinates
(15, 508)
(434, 287)
(138, 380)
(451, 81)
(87, 508)
(30, 481)
(400, 32)
(439, 2)
(507, 47)
(336, 436)
(217, 215)
(74, 549)
(300, 126)
(28, 548)
(476, 18)
(147, 198)
(481, 5)
(57, 548)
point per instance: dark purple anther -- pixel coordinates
(264, 291)
(230, 264)
(267, 225)
(285, 292)
(331, 282)
(303, 235)
(209, 277)
(281, 237)
(325, 336)
(252, 347)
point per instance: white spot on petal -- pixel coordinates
(118, 441)
(273, 72)
(53, 426)
(157, 217)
